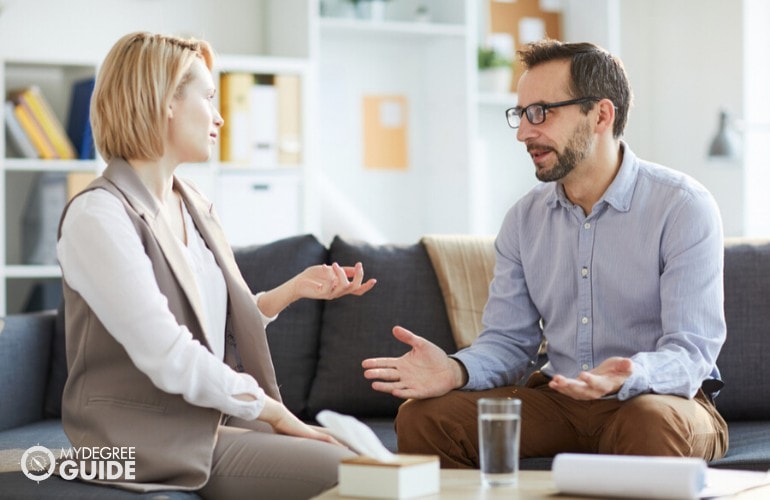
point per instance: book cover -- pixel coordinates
(78, 120)
(34, 131)
(17, 138)
(50, 124)
(235, 104)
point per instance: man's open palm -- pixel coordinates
(424, 372)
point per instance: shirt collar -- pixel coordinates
(618, 194)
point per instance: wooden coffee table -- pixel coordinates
(466, 484)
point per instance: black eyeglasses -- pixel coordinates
(536, 112)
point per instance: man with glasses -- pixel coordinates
(615, 261)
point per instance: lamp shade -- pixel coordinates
(725, 144)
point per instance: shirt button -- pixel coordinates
(585, 366)
(587, 225)
(584, 320)
(584, 272)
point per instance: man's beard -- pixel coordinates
(574, 152)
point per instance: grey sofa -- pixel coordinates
(317, 348)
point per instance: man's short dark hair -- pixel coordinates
(593, 72)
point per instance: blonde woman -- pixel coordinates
(166, 346)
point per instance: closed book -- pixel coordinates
(264, 131)
(407, 476)
(235, 99)
(34, 131)
(17, 138)
(288, 88)
(52, 127)
(78, 120)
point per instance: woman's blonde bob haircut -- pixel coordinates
(137, 80)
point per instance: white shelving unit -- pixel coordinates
(430, 64)
(263, 37)
(19, 175)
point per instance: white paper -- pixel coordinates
(391, 114)
(355, 434)
(629, 476)
(726, 483)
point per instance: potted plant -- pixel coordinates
(495, 71)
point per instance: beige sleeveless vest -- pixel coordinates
(107, 401)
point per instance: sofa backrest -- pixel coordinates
(745, 357)
(294, 336)
(317, 346)
(355, 328)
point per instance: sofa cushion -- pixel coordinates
(25, 344)
(746, 353)
(464, 267)
(354, 328)
(293, 336)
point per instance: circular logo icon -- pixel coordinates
(38, 463)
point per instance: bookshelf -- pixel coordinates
(24, 271)
(266, 38)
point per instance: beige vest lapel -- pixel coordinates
(120, 173)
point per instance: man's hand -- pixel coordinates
(607, 378)
(424, 372)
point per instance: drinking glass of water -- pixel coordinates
(499, 434)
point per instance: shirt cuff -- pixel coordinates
(247, 410)
(637, 383)
(266, 320)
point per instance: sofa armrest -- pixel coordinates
(25, 353)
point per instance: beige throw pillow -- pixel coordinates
(464, 266)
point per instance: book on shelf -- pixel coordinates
(288, 89)
(262, 119)
(78, 119)
(35, 104)
(33, 130)
(78, 181)
(264, 131)
(21, 145)
(40, 219)
(235, 102)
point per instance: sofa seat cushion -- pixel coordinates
(746, 354)
(749, 447)
(17, 486)
(49, 433)
(354, 328)
(293, 337)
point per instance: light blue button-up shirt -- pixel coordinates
(640, 277)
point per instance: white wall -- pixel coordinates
(86, 29)
(684, 59)
(756, 114)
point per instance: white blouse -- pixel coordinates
(102, 259)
